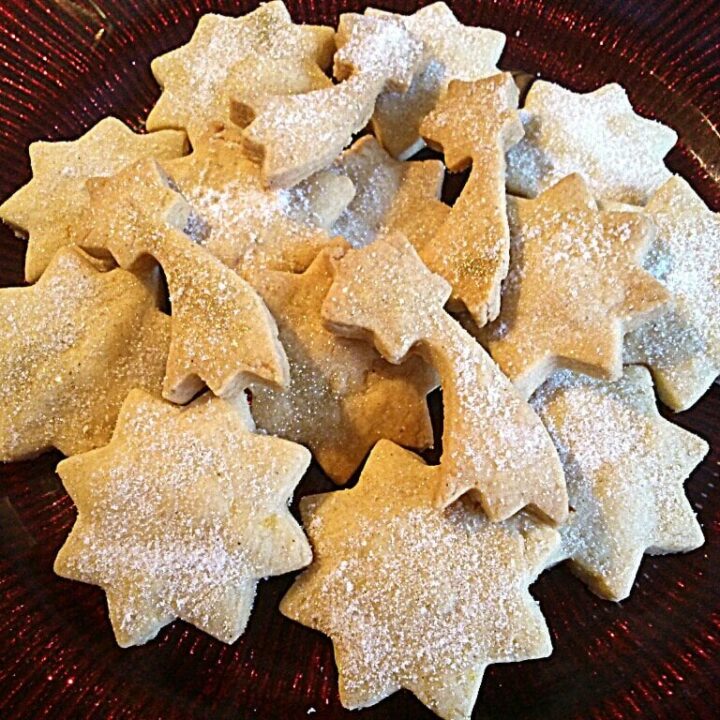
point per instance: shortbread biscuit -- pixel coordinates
(222, 334)
(475, 123)
(390, 196)
(682, 348)
(252, 228)
(625, 467)
(198, 78)
(71, 347)
(493, 443)
(451, 51)
(342, 396)
(172, 525)
(575, 287)
(294, 136)
(53, 208)
(414, 598)
(597, 135)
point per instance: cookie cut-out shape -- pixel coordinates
(252, 228)
(222, 333)
(53, 208)
(342, 397)
(494, 445)
(415, 598)
(294, 136)
(181, 514)
(451, 51)
(682, 348)
(390, 196)
(263, 50)
(625, 467)
(71, 348)
(475, 123)
(576, 286)
(597, 135)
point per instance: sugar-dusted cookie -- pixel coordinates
(493, 443)
(451, 51)
(682, 348)
(342, 396)
(53, 208)
(71, 348)
(181, 514)
(252, 228)
(415, 598)
(625, 467)
(475, 123)
(222, 333)
(262, 51)
(576, 285)
(389, 195)
(294, 136)
(597, 135)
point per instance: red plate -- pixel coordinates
(65, 64)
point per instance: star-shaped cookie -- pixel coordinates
(252, 228)
(682, 348)
(625, 467)
(71, 347)
(389, 195)
(342, 397)
(575, 287)
(451, 51)
(181, 514)
(415, 598)
(597, 135)
(263, 49)
(53, 208)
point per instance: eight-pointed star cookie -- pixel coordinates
(342, 396)
(682, 348)
(222, 333)
(389, 195)
(494, 445)
(71, 347)
(575, 287)
(53, 208)
(625, 467)
(181, 514)
(415, 598)
(252, 228)
(597, 135)
(451, 51)
(263, 49)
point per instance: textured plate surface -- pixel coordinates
(64, 64)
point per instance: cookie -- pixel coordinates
(682, 348)
(342, 397)
(264, 48)
(414, 598)
(390, 196)
(53, 208)
(597, 135)
(475, 123)
(575, 287)
(71, 347)
(493, 443)
(252, 228)
(294, 136)
(625, 467)
(172, 525)
(451, 51)
(222, 334)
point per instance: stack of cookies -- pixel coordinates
(267, 276)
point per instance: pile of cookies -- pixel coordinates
(252, 284)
